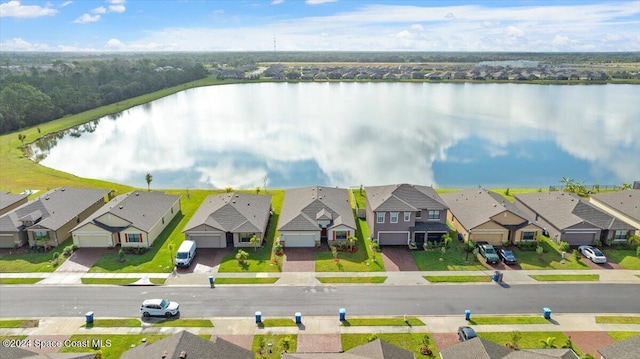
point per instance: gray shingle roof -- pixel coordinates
(142, 209)
(626, 349)
(194, 346)
(627, 201)
(57, 207)
(480, 348)
(377, 349)
(474, 207)
(302, 205)
(403, 197)
(8, 198)
(233, 212)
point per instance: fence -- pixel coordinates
(590, 187)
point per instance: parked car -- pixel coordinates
(507, 256)
(488, 252)
(465, 333)
(593, 253)
(159, 307)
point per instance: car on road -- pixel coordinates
(159, 307)
(487, 252)
(593, 253)
(507, 256)
(465, 333)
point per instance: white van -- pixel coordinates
(185, 254)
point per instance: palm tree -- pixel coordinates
(568, 183)
(626, 186)
(548, 343)
(255, 241)
(148, 177)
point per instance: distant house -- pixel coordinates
(482, 348)
(229, 220)
(48, 219)
(184, 345)
(133, 219)
(377, 349)
(19, 353)
(483, 215)
(625, 349)
(311, 215)
(403, 213)
(571, 219)
(9, 201)
(624, 205)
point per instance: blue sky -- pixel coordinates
(319, 25)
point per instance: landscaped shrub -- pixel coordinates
(527, 246)
(564, 246)
(134, 250)
(67, 251)
(597, 242)
(375, 246)
(539, 250)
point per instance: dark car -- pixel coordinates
(487, 252)
(466, 333)
(507, 257)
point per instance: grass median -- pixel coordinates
(382, 322)
(338, 280)
(508, 320)
(566, 277)
(457, 278)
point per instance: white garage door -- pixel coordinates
(298, 240)
(92, 240)
(213, 241)
(6, 241)
(393, 238)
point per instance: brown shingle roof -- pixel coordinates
(233, 212)
(302, 205)
(626, 349)
(194, 346)
(403, 197)
(474, 207)
(627, 201)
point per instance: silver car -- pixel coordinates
(159, 307)
(593, 253)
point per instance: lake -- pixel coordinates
(347, 134)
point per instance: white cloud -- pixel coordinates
(86, 18)
(417, 27)
(99, 10)
(18, 44)
(16, 9)
(115, 44)
(117, 8)
(318, 2)
(277, 2)
(513, 31)
(66, 3)
(560, 40)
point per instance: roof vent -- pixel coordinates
(120, 207)
(137, 193)
(62, 189)
(46, 198)
(234, 201)
(164, 354)
(183, 355)
(237, 196)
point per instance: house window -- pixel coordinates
(418, 214)
(341, 235)
(134, 238)
(245, 237)
(41, 235)
(434, 214)
(394, 217)
(407, 216)
(620, 236)
(379, 217)
(528, 236)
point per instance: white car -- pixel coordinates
(593, 253)
(159, 307)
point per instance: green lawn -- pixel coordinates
(372, 322)
(625, 257)
(119, 281)
(18, 323)
(361, 197)
(33, 262)
(617, 319)
(116, 323)
(113, 345)
(524, 319)
(351, 279)
(197, 323)
(529, 339)
(566, 277)
(246, 280)
(457, 278)
(278, 322)
(550, 259)
(19, 280)
(453, 259)
(273, 345)
(409, 341)
(618, 336)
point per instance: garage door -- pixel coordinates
(577, 239)
(213, 241)
(492, 238)
(6, 241)
(92, 240)
(393, 239)
(298, 240)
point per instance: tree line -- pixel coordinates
(31, 95)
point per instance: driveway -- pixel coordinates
(589, 342)
(319, 343)
(82, 260)
(299, 260)
(205, 260)
(398, 259)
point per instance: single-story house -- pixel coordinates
(133, 219)
(10, 201)
(184, 345)
(625, 349)
(229, 220)
(624, 205)
(571, 219)
(482, 348)
(377, 349)
(311, 215)
(403, 213)
(48, 219)
(483, 215)
(19, 353)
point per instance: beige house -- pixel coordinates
(624, 205)
(482, 215)
(48, 219)
(134, 219)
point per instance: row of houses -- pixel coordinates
(396, 215)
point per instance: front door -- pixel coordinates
(323, 234)
(229, 239)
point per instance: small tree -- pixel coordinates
(334, 252)
(255, 242)
(22, 137)
(171, 253)
(548, 343)
(285, 344)
(148, 177)
(228, 189)
(121, 254)
(515, 338)
(352, 240)
(468, 248)
(257, 189)
(242, 256)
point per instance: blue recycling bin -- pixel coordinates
(212, 281)
(467, 314)
(546, 313)
(496, 276)
(89, 317)
(258, 317)
(343, 314)
(298, 318)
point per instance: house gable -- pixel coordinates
(112, 220)
(508, 218)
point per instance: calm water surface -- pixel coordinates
(344, 134)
